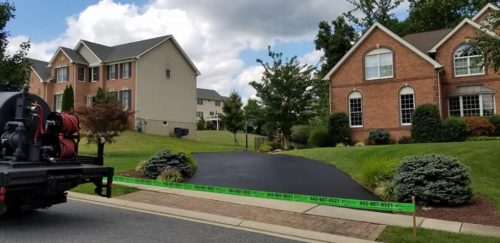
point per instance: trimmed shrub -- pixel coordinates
(379, 136)
(275, 145)
(377, 170)
(165, 160)
(300, 134)
(455, 129)
(479, 126)
(339, 130)
(265, 148)
(426, 124)
(171, 174)
(405, 140)
(495, 121)
(200, 125)
(319, 137)
(483, 138)
(434, 179)
(140, 166)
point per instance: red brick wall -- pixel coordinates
(381, 97)
(449, 82)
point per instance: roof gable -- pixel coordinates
(391, 34)
(458, 27)
(488, 6)
(424, 41)
(40, 68)
(59, 50)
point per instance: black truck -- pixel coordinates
(39, 158)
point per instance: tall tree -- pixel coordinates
(68, 99)
(334, 40)
(427, 15)
(285, 92)
(233, 117)
(489, 43)
(14, 69)
(253, 112)
(373, 11)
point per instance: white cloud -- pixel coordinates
(213, 33)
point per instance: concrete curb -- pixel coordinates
(335, 212)
(275, 230)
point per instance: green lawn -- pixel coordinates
(132, 147)
(483, 158)
(117, 190)
(225, 138)
(396, 234)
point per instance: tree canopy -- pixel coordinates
(233, 117)
(68, 99)
(373, 11)
(14, 68)
(285, 91)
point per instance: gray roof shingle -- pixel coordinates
(41, 68)
(424, 41)
(74, 55)
(208, 94)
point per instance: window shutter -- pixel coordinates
(129, 99)
(120, 71)
(129, 69)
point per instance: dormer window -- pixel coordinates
(378, 64)
(468, 60)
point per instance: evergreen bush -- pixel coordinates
(339, 130)
(426, 124)
(165, 160)
(434, 179)
(495, 121)
(379, 136)
(300, 134)
(68, 99)
(319, 137)
(455, 129)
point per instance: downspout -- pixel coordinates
(439, 92)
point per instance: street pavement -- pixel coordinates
(276, 173)
(77, 221)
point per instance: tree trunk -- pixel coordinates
(286, 141)
(236, 140)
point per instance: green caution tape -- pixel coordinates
(328, 201)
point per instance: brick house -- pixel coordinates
(153, 78)
(209, 107)
(383, 77)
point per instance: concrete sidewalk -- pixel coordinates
(360, 224)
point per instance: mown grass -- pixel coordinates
(226, 138)
(118, 190)
(396, 234)
(483, 158)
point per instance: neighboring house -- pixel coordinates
(383, 77)
(209, 106)
(152, 78)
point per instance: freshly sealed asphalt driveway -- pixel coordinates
(275, 172)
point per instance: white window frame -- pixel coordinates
(58, 104)
(124, 104)
(92, 72)
(63, 79)
(481, 105)
(468, 58)
(199, 101)
(355, 95)
(78, 74)
(217, 103)
(125, 75)
(405, 91)
(111, 71)
(90, 100)
(377, 52)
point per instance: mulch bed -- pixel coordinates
(134, 174)
(480, 211)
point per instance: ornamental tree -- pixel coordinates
(285, 92)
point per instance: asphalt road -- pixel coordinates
(276, 173)
(84, 222)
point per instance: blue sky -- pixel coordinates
(223, 38)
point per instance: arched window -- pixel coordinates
(378, 64)
(355, 109)
(406, 104)
(468, 61)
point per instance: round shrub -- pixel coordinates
(165, 160)
(455, 129)
(319, 137)
(434, 179)
(300, 134)
(426, 124)
(265, 148)
(479, 126)
(495, 121)
(339, 130)
(379, 136)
